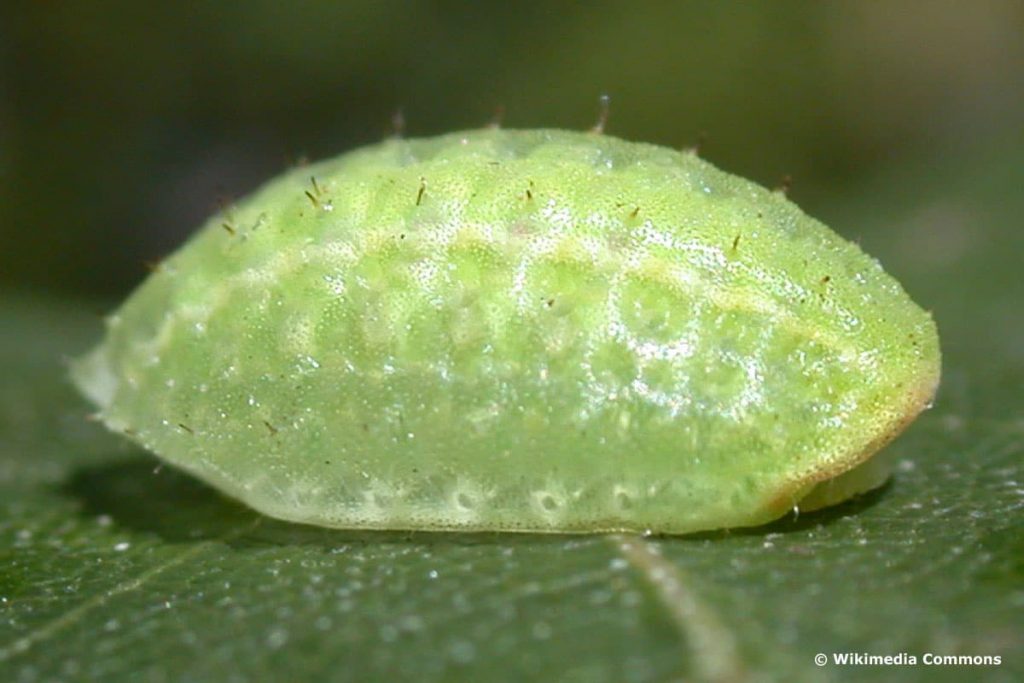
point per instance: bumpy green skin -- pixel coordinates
(518, 330)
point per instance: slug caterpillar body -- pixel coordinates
(521, 331)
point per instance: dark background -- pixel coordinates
(123, 124)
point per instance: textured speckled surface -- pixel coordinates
(522, 330)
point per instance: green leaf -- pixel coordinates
(114, 567)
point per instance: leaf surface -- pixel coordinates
(113, 567)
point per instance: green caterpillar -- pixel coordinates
(508, 330)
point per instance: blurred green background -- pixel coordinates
(123, 124)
